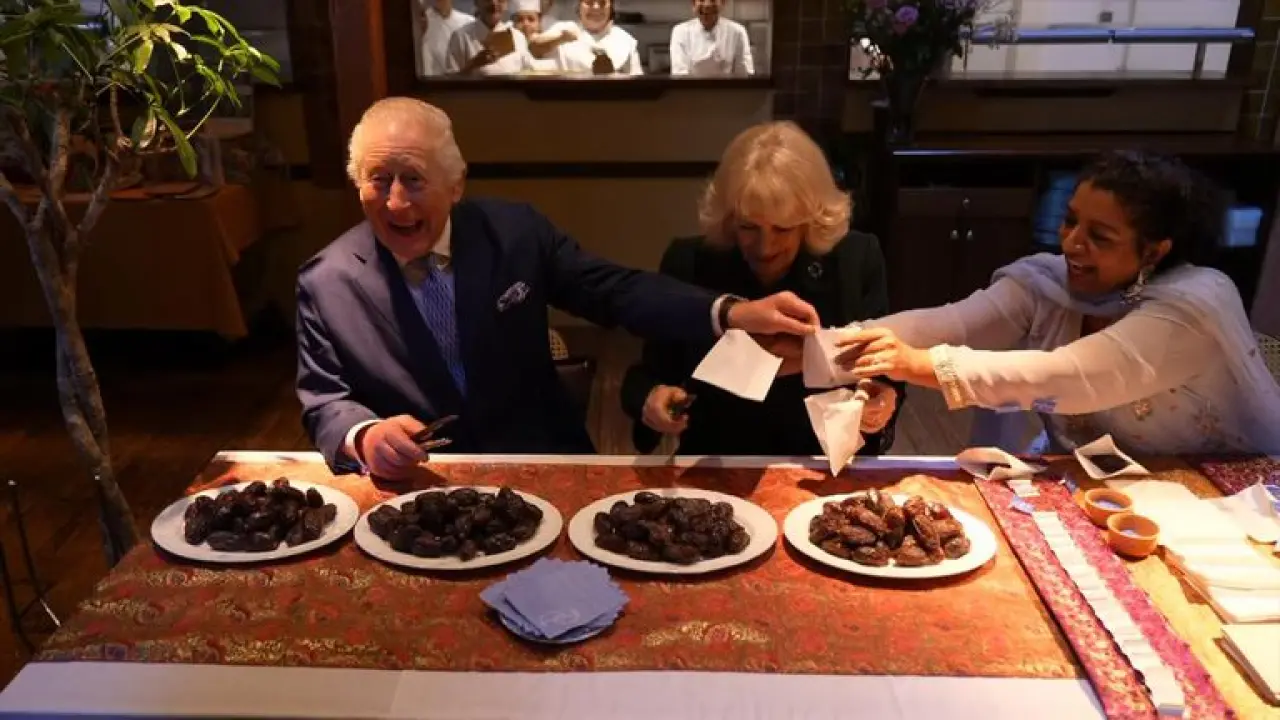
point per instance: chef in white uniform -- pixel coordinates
(488, 45)
(710, 45)
(597, 36)
(527, 17)
(434, 22)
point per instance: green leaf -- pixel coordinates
(186, 153)
(184, 13)
(149, 4)
(264, 74)
(142, 56)
(144, 128)
(179, 51)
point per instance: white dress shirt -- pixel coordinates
(433, 44)
(468, 41)
(578, 56)
(724, 50)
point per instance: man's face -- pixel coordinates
(526, 22)
(708, 11)
(491, 12)
(404, 193)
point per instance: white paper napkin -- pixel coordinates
(1254, 510)
(1257, 649)
(1106, 446)
(979, 461)
(739, 365)
(836, 418)
(819, 360)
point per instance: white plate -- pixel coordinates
(548, 533)
(758, 523)
(166, 529)
(982, 544)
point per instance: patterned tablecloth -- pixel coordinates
(781, 613)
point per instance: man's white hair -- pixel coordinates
(436, 126)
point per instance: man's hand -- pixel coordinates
(568, 34)
(881, 402)
(482, 58)
(782, 313)
(788, 347)
(878, 351)
(388, 450)
(657, 410)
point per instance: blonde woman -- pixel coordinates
(773, 221)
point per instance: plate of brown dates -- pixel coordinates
(255, 521)
(890, 536)
(458, 528)
(676, 531)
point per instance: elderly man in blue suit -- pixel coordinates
(437, 306)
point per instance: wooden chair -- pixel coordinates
(578, 374)
(18, 613)
(1270, 348)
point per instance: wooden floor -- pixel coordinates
(174, 401)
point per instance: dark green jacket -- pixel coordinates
(844, 286)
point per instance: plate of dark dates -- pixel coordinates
(890, 536)
(255, 521)
(677, 531)
(458, 528)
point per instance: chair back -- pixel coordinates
(1270, 348)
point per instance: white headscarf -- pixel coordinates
(523, 6)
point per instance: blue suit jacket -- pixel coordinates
(364, 351)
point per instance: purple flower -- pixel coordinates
(905, 18)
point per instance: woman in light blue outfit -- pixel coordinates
(1117, 335)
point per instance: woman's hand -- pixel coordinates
(878, 352)
(657, 410)
(882, 400)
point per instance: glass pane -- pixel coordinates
(585, 38)
(1125, 39)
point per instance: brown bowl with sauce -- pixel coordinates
(1131, 535)
(1101, 503)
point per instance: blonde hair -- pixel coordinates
(435, 124)
(776, 170)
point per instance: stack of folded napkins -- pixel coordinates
(989, 463)
(556, 601)
(1256, 648)
(1210, 548)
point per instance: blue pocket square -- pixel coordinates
(513, 296)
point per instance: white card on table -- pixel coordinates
(990, 463)
(738, 364)
(1106, 446)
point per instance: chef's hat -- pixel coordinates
(526, 6)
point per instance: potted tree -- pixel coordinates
(140, 77)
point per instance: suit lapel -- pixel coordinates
(475, 270)
(382, 284)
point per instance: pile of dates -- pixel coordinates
(258, 517)
(675, 530)
(871, 529)
(463, 522)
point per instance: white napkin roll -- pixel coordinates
(819, 360)
(976, 460)
(1106, 446)
(836, 418)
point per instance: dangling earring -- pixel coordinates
(1133, 293)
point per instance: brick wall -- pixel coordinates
(811, 64)
(1260, 104)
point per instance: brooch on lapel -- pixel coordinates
(815, 270)
(513, 296)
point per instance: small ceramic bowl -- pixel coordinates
(1132, 535)
(1102, 503)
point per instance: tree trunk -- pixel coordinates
(78, 391)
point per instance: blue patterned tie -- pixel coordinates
(435, 303)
